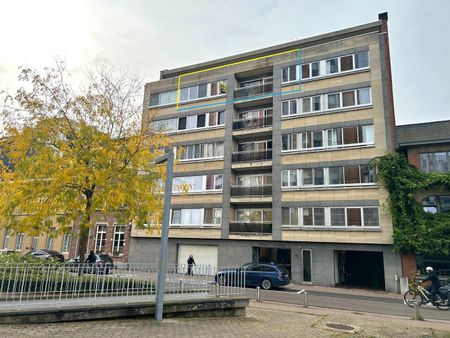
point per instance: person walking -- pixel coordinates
(191, 263)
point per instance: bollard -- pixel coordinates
(417, 315)
(306, 299)
(258, 295)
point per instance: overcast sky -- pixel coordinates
(148, 36)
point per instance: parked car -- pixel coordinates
(103, 264)
(6, 251)
(45, 254)
(265, 275)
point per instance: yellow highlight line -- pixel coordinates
(227, 65)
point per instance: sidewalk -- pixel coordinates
(263, 319)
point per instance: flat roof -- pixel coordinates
(302, 43)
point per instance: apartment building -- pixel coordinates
(427, 147)
(276, 147)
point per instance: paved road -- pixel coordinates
(357, 303)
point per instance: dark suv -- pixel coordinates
(265, 275)
(103, 264)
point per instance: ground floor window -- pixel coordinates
(119, 236)
(307, 265)
(19, 241)
(440, 264)
(100, 239)
(66, 241)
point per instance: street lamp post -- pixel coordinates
(161, 283)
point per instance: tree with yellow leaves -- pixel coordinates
(67, 154)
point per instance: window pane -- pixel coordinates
(306, 139)
(353, 216)
(318, 176)
(212, 119)
(221, 117)
(202, 90)
(193, 93)
(208, 218)
(285, 142)
(440, 162)
(293, 73)
(317, 139)
(210, 182)
(218, 185)
(346, 63)
(305, 71)
(293, 107)
(285, 178)
(201, 120)
(293, 178)
(315, 69)
(367, 173)
(333, 101)
(213, 88)
(366, 134)
(371, 217)
(191, 122)
(285, 108)
(319, 216)
(176, 216)
(306, 105)
(337, 217)
(363, 96)
(196, 216)
(350, 135)
(294, 216)
(154, 99)
(352, 174)
(336, 175)
(219, 149)
(285, 220)
(307, 176)
(217, 216)
(284, 74)
(307, 216)
(182, 123)
(184, 94)
(332, 66)
(362, 59)
(316, 103)
(348, 98)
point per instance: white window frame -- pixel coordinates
(288, 68)
(102, 237)
(19, 241)
(202, 218)
(67, 241)
(121, 237)
(6, 238)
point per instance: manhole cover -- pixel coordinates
(341, 327)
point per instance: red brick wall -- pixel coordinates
(409, 265)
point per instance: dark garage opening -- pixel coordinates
(360, 269)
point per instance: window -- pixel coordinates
(289, 178)
(212, 119)
(346, 63)
(317, 139)
(119, 237)
(319, 216)
(307, 176)
(67, 239)
(289, 107)
(435, 162)
(6, 239)
(363, 96)
(100, 239)
(337, 216)
(218, 185)
(436, 204)
(350, 135)
(318, 176)
(201, 120)
(307, 216)
(366, 134)
(332, 66)
(307, 139)
(336, 175)
(334, 101)
(354, 216)
(221, 117)
(34, 243)
(176, 216)
(289, 73)
(367, 173)
(306, 105)
(199, 151)
(50, 238)
(191, 122)
(334, 137)
(202, 90)
(305, 71)
(352, 174)
(362, 60)
(182, 123)
(371, 217)
(315, 69)
(19, 241)
(213, 216)
(348, 98)
(289, 141)
(316, 104)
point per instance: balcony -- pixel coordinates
(252, 155)
(251, 91)
(261, 190)
(252, 123)
(238, 227)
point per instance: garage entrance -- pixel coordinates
(204, 255)
(360, 269)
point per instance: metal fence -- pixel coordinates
(25, 285)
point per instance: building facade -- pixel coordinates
(275, 146)
(427, 147)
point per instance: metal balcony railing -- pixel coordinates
(238, 227)
(253, 90)
(256, 122)
(248, 156)
(261, 190)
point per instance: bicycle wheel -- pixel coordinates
(411, 297)
(442, 304)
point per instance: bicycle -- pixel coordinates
(418, 294)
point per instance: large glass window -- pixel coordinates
(332, 66)
(319, 216)
(336, 175)
(315, 69)
(371, 217)
(337, 216)
(435, 162)
(119, 238)
(307, 176)
(307, 216)
(363, 96)
(67, 239)
(333, 101)
(100, 239)
(362, 59)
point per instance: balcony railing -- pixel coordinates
(256, 122)
(253, 90)
(248, 156)
(238, 227)
(261, 190)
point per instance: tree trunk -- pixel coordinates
(84, 227)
